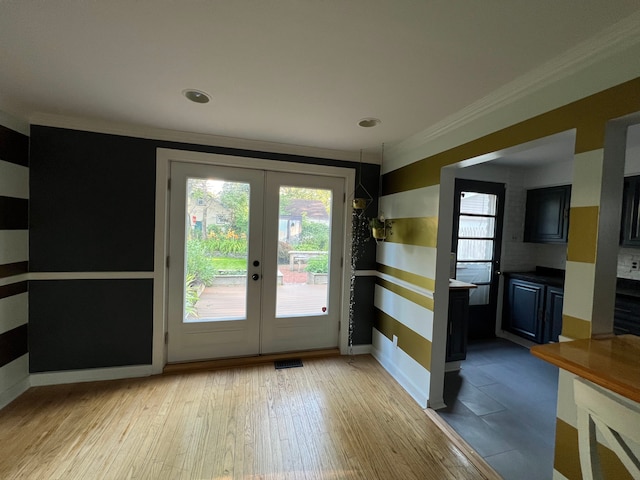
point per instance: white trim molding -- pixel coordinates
(611, 41)
(13, 392)
(89, 375)
(88, 275)
(153, 133)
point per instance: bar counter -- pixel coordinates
(613, 362)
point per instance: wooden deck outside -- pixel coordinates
(295, 297)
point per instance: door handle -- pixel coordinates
(255, 276)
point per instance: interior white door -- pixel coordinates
(255, 261)
(215, 268)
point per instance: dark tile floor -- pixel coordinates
(503, 403)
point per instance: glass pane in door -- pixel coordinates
(304, 233)
(476, 226)
(474, 272)
(216, 238)
(475, 249)
(478, 203)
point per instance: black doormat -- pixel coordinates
(290, 363)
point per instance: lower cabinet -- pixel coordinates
(533, 310)
(458, 325)
(627, 315)
(553, 314)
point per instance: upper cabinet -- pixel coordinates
(547, 215)
(630, 231)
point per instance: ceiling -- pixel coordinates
(298, 72)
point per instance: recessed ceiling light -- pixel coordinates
(369, 122)
(196, 96)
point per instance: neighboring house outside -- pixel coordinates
(290, 225)
(206, 212)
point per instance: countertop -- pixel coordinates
(624, 286)
(458, 285)
(613, 362)
(548, 276)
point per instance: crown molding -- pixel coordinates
(607, 43)
(152, 133)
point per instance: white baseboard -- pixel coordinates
(358, 350)
(436, 405)
(14, 392)
(558, 476)
(400, 377)
(90, 375)
(452, 366)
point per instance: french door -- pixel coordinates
(255, 261)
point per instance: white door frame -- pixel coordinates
(161, 245)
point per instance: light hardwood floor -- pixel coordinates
(331, 419)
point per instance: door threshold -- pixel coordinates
(201, 366)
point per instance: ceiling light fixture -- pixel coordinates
(369, 122)
(196, 96)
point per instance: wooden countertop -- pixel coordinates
(458, 285)
(612, 363)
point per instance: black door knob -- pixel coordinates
(255, 276)
(256, 263)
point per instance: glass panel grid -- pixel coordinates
(475, 249)
(476, 273)
(478, 203)
(476, 227)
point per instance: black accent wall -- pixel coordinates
(77, 324)
(92, 202)
(92, 209)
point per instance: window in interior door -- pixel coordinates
(476, 237)
(304, 239)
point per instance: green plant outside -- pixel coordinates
(318, 264)
(204, 263)
(315, 236)
(199, 265)
(191, 297)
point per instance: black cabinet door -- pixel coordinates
(630, 231)
(553, 314)
(457, 325)
(525, 309)
(547, 215)
(627, 316)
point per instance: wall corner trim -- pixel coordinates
(14, 392)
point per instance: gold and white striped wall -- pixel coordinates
(404, 336)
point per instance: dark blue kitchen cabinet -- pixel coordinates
(547, 215)
(553, 314)
(630, 230)
(533, 306)
(458, 325)
(524, 309)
